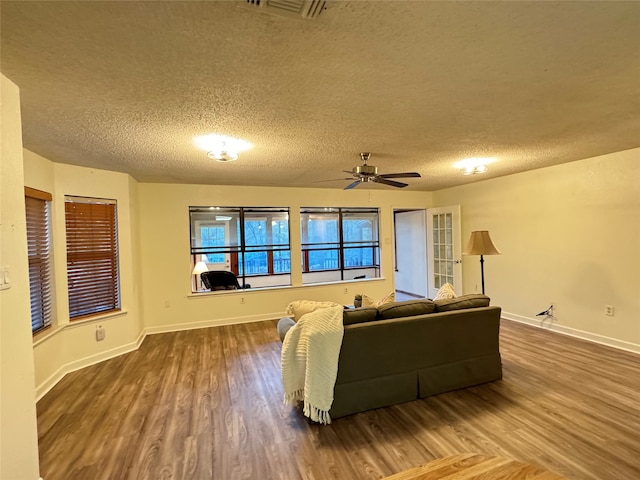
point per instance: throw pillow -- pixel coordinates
(300, 307)
(446, 291)
(367, 301)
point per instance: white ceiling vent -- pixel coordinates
(297, 8)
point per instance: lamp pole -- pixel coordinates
(482, 271)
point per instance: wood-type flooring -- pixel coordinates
(207, 404)
(473, 466)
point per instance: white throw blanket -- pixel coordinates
(310, 361)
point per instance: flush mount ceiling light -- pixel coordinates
(221, 147)
(222, 155)
(471, 166)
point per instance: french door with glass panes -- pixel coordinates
(444, 249)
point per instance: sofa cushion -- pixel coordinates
(472, 300)
(359, 315)
(408, 308)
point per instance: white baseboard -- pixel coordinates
(573, 332)
(176, 327)
(54, 378)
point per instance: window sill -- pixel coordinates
(340, 282)
(251, 291)
(47, 334)
(243, 291)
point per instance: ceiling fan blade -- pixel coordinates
(331, 180)
(388, 182)
(352, 185)
(401, 175)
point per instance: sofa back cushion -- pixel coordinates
(408, 308)
(472, 300)
(359, 315)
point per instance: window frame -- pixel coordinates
(341, 245)
(237, 249)
(92, 248)
(40, 258)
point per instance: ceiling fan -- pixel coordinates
(369, 173)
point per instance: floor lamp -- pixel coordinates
(480, 244)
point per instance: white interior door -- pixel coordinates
(444, 248)
(411, 253)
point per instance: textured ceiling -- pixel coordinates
(125, 86)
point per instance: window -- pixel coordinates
(92, 256)
(339, 243)
(38, 207)
(248, 241)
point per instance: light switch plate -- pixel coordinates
(5, 279)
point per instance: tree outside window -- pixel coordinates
(249, 241)
(339, 239)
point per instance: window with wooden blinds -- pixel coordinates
(92, 256)
(37, 204)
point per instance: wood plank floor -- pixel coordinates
(473, 466)
(207, 404)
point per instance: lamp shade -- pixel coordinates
(480, 244)
(200, 267)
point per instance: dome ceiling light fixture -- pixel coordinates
(221, 148)
(471, 166)
(222, 155)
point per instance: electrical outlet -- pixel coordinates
(346, 290)
(242, 300)
(608, 310)
(100, 333)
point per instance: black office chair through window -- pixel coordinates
(221, 280)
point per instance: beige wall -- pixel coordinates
(68, 346)
(18, 435)
(166, 275)
(569, 234)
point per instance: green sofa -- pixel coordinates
(408, 350)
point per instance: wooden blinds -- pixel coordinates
(92, 256)
(38, 246)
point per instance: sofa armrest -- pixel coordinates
(284, 325)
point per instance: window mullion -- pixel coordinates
(341, 240)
